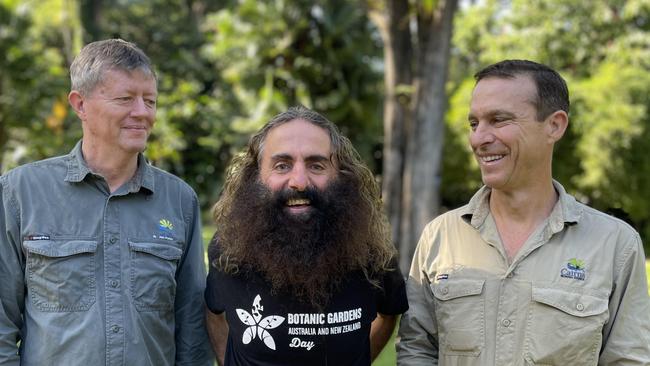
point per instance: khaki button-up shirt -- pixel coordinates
(575, 294)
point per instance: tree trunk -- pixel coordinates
(393, 24)
(91, 19)
(421, 185)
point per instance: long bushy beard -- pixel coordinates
(305, 255)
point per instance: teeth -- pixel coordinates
(297, 202)
(491, 158)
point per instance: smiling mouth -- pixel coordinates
(490, 158)
(298, 202)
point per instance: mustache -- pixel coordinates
(310, 193)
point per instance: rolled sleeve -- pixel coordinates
(417, 338)
(12, 291)
(626, 337)
(192, 345)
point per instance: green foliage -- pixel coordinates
(601, 48)
(460, 174)
(275, 54)
(34, 118)
(226, 67)
(647, 272)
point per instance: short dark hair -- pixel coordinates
(96, 58)
(552, 91)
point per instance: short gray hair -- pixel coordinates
(96, 58)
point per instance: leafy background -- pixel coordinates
(226, 67)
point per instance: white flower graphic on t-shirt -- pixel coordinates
(258, 326)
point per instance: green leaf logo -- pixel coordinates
(166, 224)
(576, 263)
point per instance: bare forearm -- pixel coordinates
(381, 330)
(218, 332)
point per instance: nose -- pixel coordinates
(298, 179)
(139, 108)
(481, 135)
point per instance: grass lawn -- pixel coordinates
(387, 356)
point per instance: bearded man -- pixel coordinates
(302, 271)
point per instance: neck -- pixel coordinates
(116, 168)
(532, 204)
(518, 213)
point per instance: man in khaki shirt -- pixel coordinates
(524, 274)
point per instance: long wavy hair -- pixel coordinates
(373, 255)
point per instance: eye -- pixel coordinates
(150, 103)
(282, 167)
(124, 99)
(500, 119)
(473, 124)
(317, 167)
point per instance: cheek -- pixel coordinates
(152, 116)
(321, 182)
(273, 182)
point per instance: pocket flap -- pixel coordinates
(451, 289)
(576, 304)
(60, 248)
(164, 251)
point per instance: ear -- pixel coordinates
(556, 125)
(76, 101)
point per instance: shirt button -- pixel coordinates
(115, 329)
(510, 275)
(445, 291)
(114, 283)
(580, 307)
(506, 322)
(113, 240)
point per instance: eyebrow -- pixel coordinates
(310, 158)
(493, 113)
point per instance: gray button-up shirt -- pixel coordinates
(90, 277)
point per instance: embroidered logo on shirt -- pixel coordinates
(443, 276)
(575, 269)
(165, 226)
(165, 229)
(258, 326)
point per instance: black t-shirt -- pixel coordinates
(266, 329)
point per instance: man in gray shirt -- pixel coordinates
(101, 260)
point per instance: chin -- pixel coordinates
(135, 146)
(299, 216)
(492, 182)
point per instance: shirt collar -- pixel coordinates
(78, 170)
(566, 210)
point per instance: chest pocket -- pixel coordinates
(460, 314)
(153, 275)
(61, 274)
(564, 327)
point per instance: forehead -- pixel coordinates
(134, 80)
(296, 139)
(503, 93)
